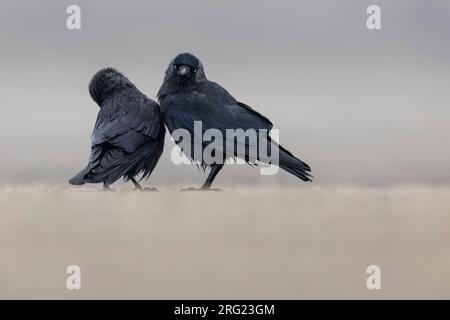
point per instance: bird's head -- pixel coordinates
(104, 82)
(185, 68)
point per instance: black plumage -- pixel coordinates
(186, 95)
(128, 137)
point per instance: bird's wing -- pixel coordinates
(123, 126)
(126, 123)
(268, 123)
(217, 109)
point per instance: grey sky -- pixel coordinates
(362, 107)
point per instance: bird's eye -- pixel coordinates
(195, 70)
(174, 67)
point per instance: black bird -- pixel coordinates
(186, 95)
(128, 137)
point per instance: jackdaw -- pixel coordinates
(128, 137)
(187, 96)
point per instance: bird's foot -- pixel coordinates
(201, 189)
(190, 189)
(214, 189)
(108, 189)
(147, 189)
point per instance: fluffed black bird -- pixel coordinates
(128, 137)
(186, 95)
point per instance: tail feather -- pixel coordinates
(112, 169)
(293, 165)
(117, 163)
(78, 179)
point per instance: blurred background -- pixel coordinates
(364, 108)
(368, 110)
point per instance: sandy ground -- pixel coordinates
(244, 243)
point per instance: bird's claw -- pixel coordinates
(148, 189)
(201, 189)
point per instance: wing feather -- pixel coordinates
(128, 129)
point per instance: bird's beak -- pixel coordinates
(184, 71)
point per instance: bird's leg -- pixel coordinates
(139, 187)
(211, 176)
(215, 168)
(106, 186)
(136, 184)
